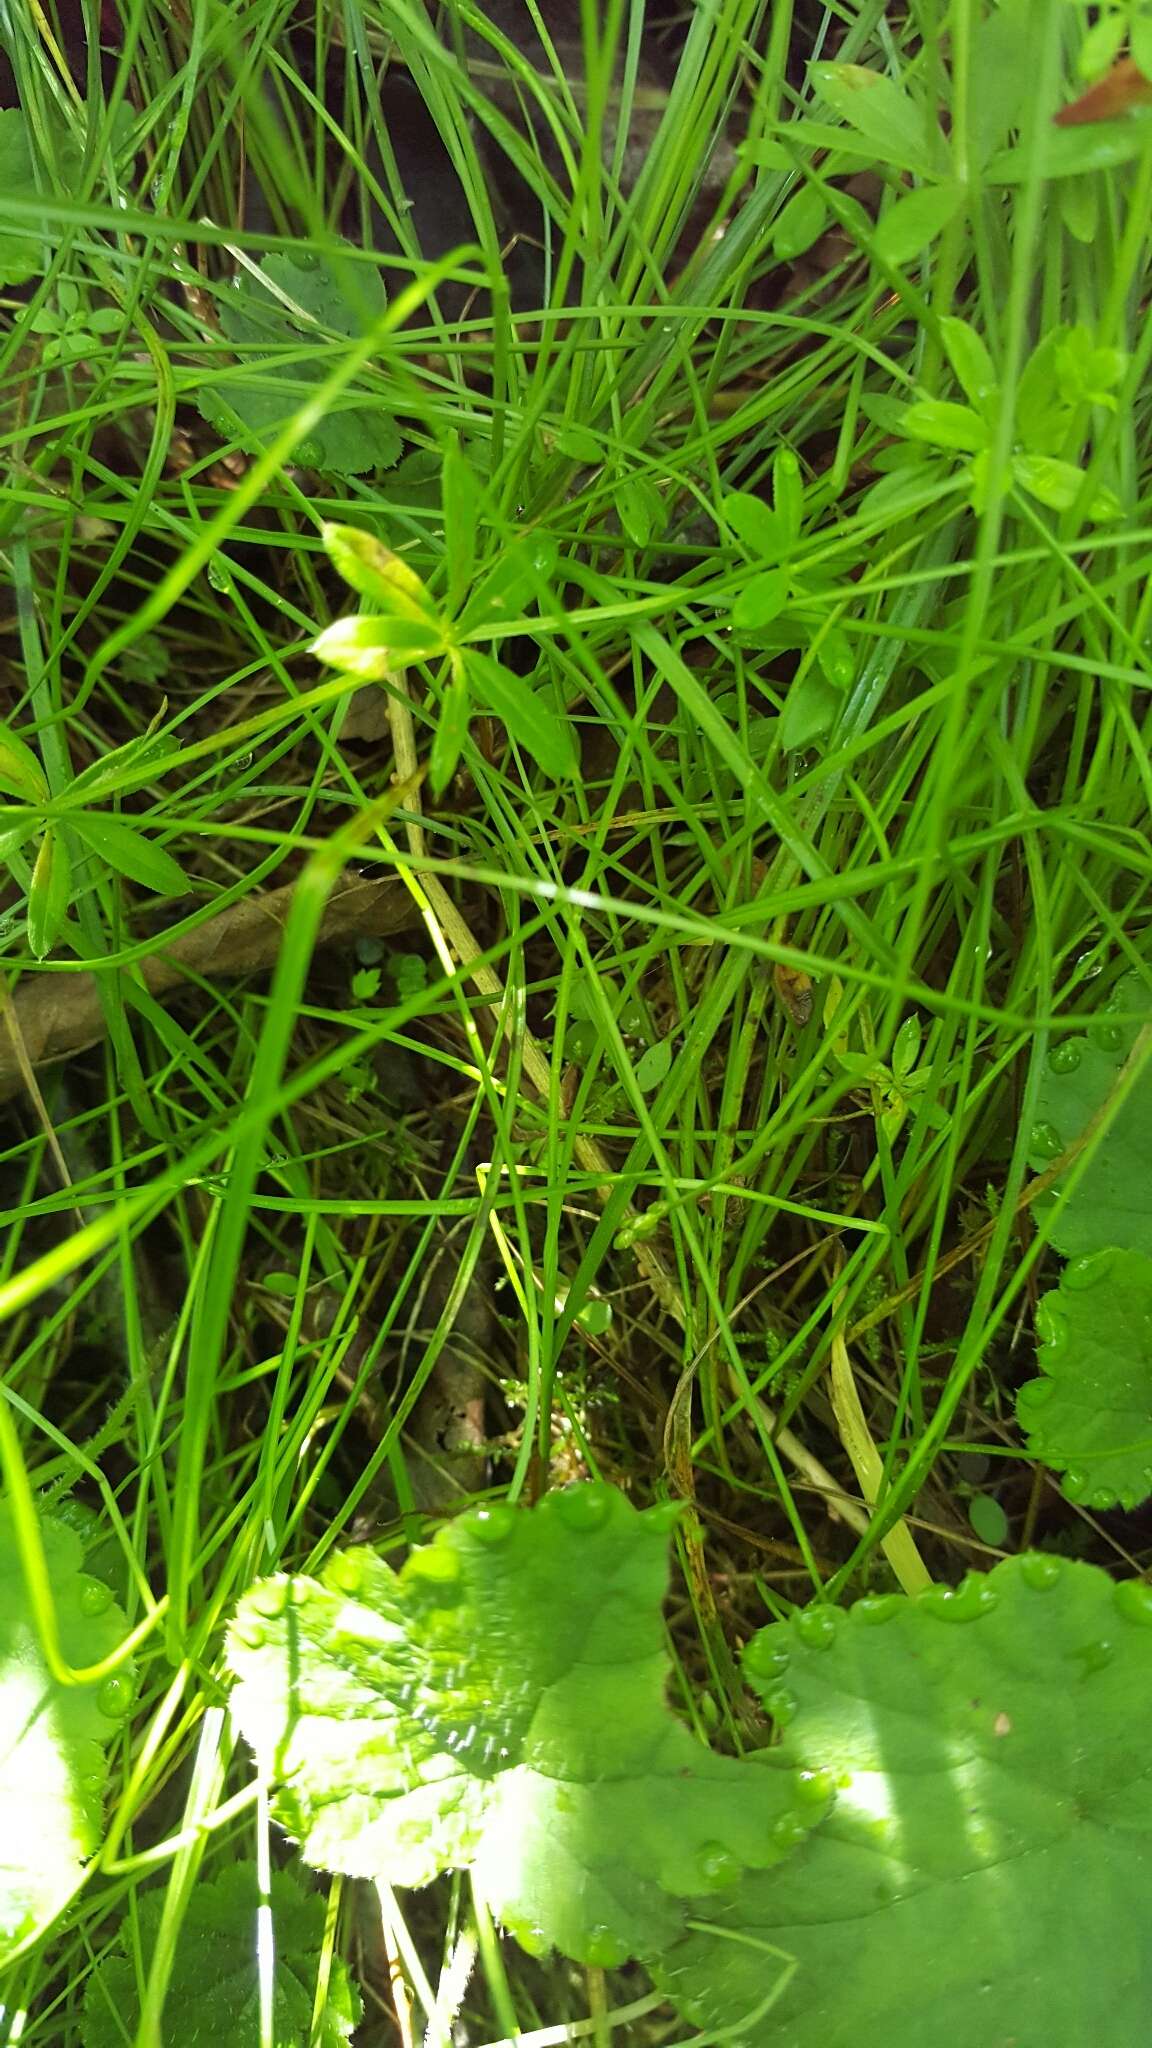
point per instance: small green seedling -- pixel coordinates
(409, 626)
(893, 1087)
(1067, 374)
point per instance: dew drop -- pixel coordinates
(1066, 1057)
(717, 1869)
(1051, 1322)
(969, 1601)
(492, 1525)
(1133, 1600)
(765, 1657)
(115, 1697)
(1095, 1656)
(781, 1704)
(435, 1573)
(605, 1950)
(1039, 1571)
(1089, 1270)
(270, 1598)
(344, 1572)
(532, 1939)
(878, 1607)
(1045, 1142)
(1032, 1396)
(584, 1507)
(816, 1627)
(1076, 1483)
(665, 1517)
(789, 1830)
(95, 1597)
(813, 1792)
(1108, 1037)
(1104, 1498)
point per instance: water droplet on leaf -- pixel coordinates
(789, 1830)
(878, 1607)
(115, 1697)
(270, 1598)
(1051, 1322)
(532, 1939)
(1045, 1142)
(969, 1601)
(781, 1704)
(491, 1525)
(1066, 1057)
(717, 1869)
(1076, 1483)
(665, 1517)
(435, 1574)
(344, 1572)
(583, 1507)
(1133, 1600)
(1089, 1270)
(765, 1657)
(95, 1597)
(1108, 1037)
(1095, 1656)
(813, 1791)
(1039, 1571)
(1032, 1395)
(816, 1627)
(605, 1950)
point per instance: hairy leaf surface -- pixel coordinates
(499, 1705)
(985, 1876)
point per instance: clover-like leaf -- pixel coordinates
(213, 1993)
(52, 1737)
(499, 1705)
(1089, 1415)
(279, 323)
(1110, 1200)
(985, 1876)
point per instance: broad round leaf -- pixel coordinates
(279, 323)
(985, 1877)
(213, 1996)
(500, 1705)
(52, 1737)
(1090, 1414)
(1110, 1202)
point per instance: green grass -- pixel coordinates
(456, 1175)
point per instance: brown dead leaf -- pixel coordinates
(57, 1015)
